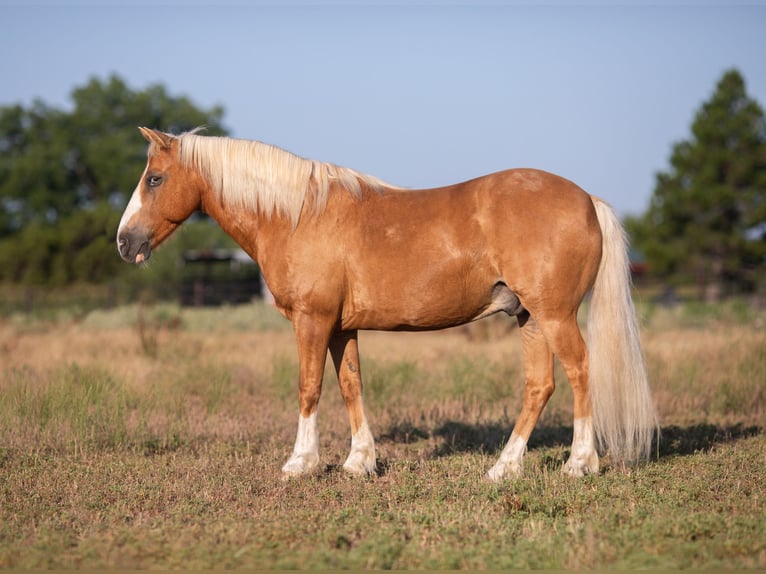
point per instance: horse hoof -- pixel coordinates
(579, 468)
(498, 473)
(359, 464)
(299, 465)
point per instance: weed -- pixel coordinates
(149, 328)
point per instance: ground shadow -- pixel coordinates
(460, 437)
(676, 440)
(490, 438)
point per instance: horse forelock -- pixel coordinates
(255, 176)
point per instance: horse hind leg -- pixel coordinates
(568, 345)
(344, 350)
(538, 388)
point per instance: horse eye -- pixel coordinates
(153, 180)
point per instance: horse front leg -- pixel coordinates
(344, 349)
(312, 335)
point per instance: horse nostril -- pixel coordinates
(134, 246)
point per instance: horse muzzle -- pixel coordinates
(134, 247)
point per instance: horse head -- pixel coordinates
(167, 194)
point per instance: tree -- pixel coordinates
(66, 176)
(706, 220)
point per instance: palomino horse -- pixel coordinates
(342, 251)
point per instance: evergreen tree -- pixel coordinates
(706, 221)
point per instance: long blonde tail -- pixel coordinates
(623, 413)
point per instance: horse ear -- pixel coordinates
(160, 139)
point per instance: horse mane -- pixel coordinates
(260, 177)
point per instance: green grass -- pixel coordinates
(215, 506)
(112, 457)
(70, 406)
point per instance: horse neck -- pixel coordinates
(246, 227)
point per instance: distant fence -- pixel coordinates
(217, 277)
(201, 292)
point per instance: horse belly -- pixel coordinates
(429, 302)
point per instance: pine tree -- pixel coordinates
(706, 221)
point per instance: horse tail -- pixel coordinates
(623, 413)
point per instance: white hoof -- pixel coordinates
(305, 457)
(582, 465)
(360, 463)
(300, 464)
(500, 472)
(361, 459)
(511, 461)
(584, 458)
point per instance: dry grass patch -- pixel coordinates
(115, 456)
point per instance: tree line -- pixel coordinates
(65, 177)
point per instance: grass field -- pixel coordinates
(153, 438)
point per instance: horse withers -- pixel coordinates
(342, 251)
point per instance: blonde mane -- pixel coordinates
(260, 177)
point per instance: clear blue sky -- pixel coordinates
(420, 94)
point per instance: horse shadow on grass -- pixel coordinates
(460, 437)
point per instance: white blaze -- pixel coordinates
(134, 205)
